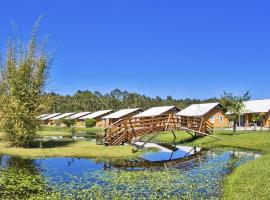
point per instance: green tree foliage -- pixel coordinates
(90, 123)
(115, 100)
(234, 105)
(24, 73)
(68, 122)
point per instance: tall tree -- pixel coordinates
(234, 105)
(25, 69)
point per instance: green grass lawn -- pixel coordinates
(65, 129)
(249, 181)
(62, 131)
(70, 149)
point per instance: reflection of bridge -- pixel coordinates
(183, 163)
(131, 130)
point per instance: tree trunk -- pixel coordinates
(234, 126)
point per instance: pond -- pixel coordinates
(173, 173)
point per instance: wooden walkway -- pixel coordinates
(132, 130)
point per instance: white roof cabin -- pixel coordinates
(96, 114)
(121, 113)
(41, 116)
(78, 115)
(50, 116)
(155, 111)
(64, 115)
(197, 109)
(256, 106)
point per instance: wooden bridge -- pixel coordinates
(131, 130)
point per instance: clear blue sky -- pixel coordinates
(195, 49)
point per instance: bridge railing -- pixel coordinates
(126, 129)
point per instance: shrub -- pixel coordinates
(90, 123)
(68, 122)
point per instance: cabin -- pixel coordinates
(56, 121)
(42, 116)
(211, 112)
(76, 117)
(97, 116)
(121, 114)
(47, 119)
(157, 111)
(256, 112)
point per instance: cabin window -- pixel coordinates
(221, 119)
(212, 119)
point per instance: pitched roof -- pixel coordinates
(78, 115)
(41, 116)
(64, 115)
(257, 106)
(155, 111)
(197, 109)
(50, 116)
(121, 113)
(96, 114)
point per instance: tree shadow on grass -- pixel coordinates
(187, 140)
(49, 144)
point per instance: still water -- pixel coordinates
(177, 171)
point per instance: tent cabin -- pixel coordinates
(121, 114)
(252, 110)
(158, 111)
(76, 117)
(47, 119)
(211, 112)
(97, 116)
(56, 121)
(156, 115)
(41, 116)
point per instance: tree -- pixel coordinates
(257, 118)
(68, 122)
(25, 70)
(90, 123)
(234, 105)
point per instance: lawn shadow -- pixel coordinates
(50, 143)
(187, 140)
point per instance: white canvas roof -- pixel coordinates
(197, 109)
(256, 106)
(155, 111)
(96, 114)
(78, 115)
(121, 113)
(41, 116)
(62, 116)
(50, 116)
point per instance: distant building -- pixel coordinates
(57, 119)
(96, 116)
(157, 111)
(42, 116)
(211, 112)
(121, 114)
(47, 118)
(255, 108)
(76, 117)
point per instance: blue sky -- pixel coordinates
(195, 49)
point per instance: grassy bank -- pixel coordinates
(70, 149)
(250, 180)
(62, 131)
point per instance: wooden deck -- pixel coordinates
(131, 130)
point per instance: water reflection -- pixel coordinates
(24, 178)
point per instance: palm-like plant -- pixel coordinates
(234, 105)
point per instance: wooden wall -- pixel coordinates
(217, 113)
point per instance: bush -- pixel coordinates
(68, 122)
(90, 123)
